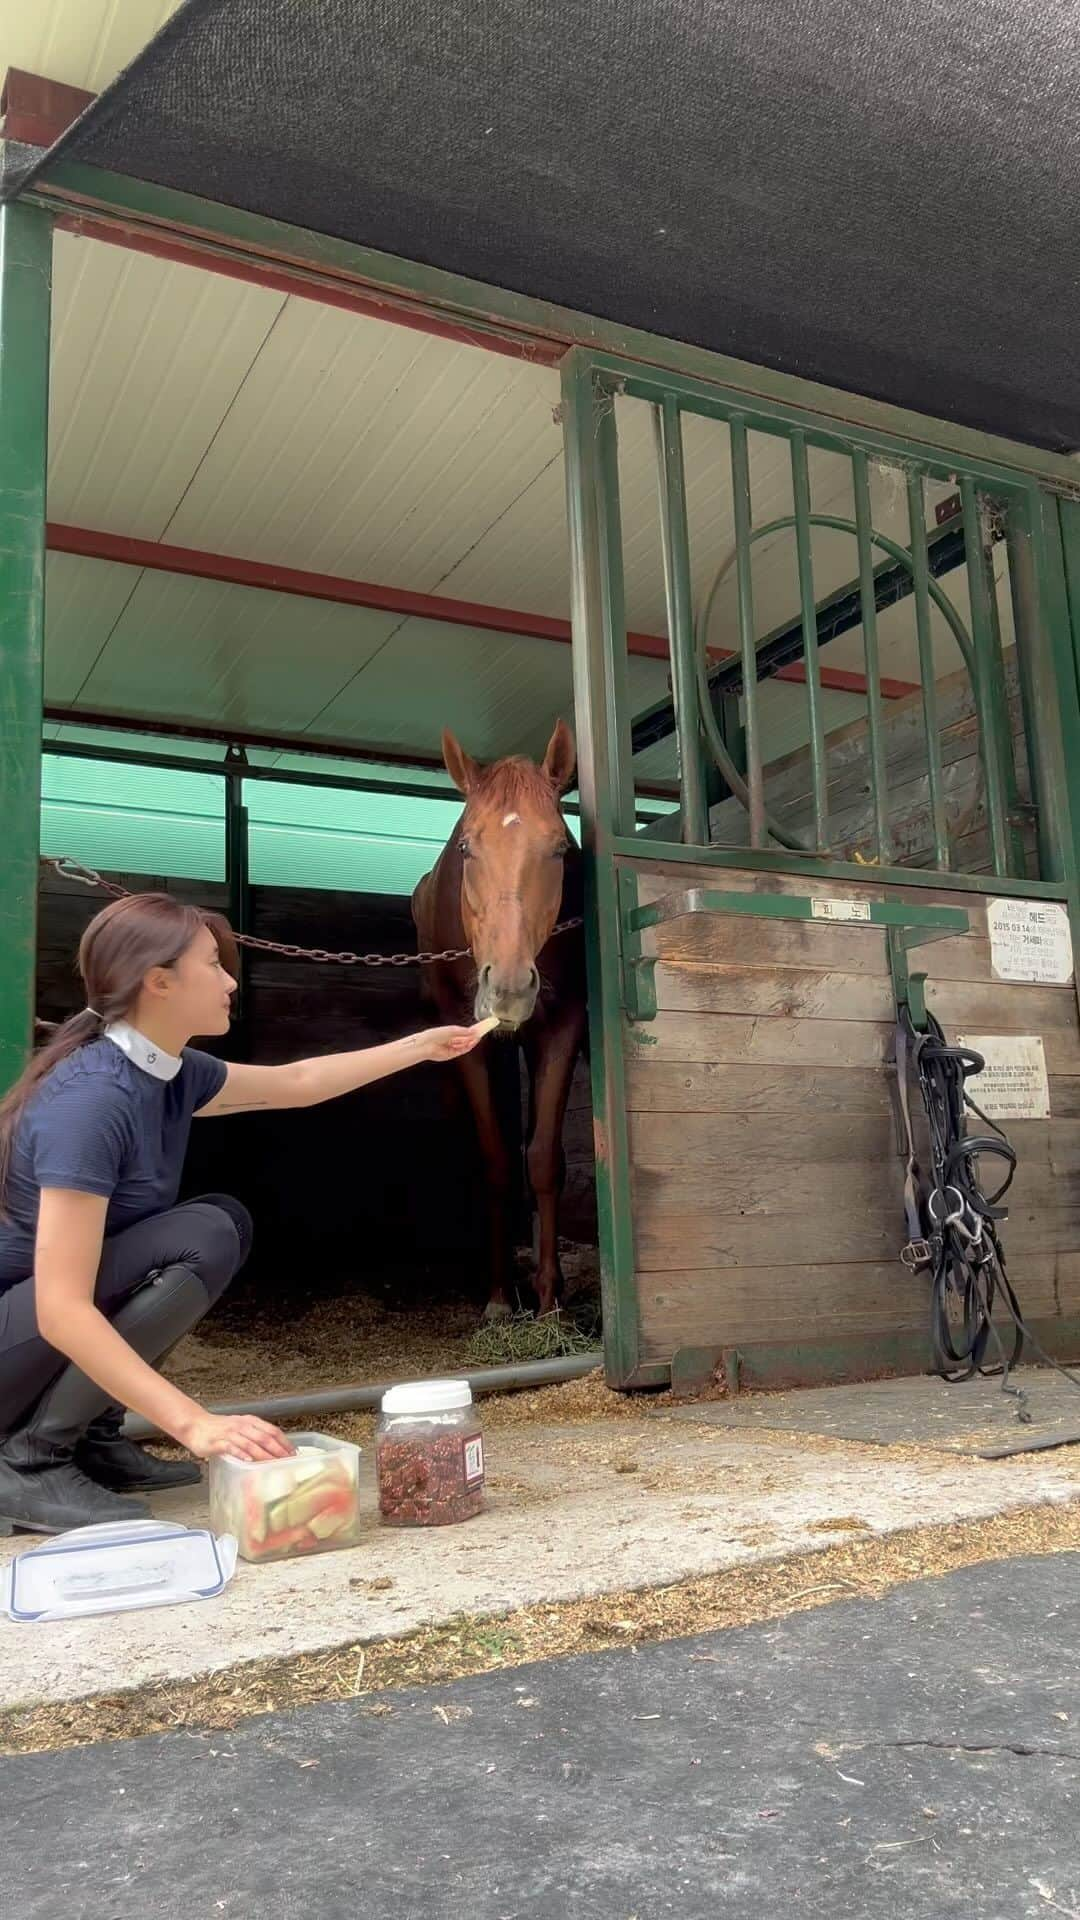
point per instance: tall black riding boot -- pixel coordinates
(111, 1460)
(44, 1485)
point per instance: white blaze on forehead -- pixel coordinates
(512, 820)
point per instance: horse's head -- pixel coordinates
(513, 841)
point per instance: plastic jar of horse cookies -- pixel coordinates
(429, 1455)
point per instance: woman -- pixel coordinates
(101, 1273)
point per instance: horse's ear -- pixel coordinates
(464, 771)
(561, 757)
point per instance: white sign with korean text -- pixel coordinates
(840, 909)
(1013, 1084)
(1030, 940)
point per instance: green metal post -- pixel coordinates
(1055, 548)
(25, 282)
(993, 724)
(740, 484)
(592, 509)
(920, 576)
(675, 542)
(1055, 541)
(800, 481)
(868, 603)
(1039, 697)
(237, 864)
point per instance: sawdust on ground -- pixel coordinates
(370, 1674)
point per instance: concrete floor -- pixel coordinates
(572, 1511)
(909, 1758)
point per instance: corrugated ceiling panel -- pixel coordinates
(83, 601)
(147, 358)
(368, 450)
(84, 43)
(229, 655)
(189, 407)
(501, 694)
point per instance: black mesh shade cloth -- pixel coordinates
(882, 197)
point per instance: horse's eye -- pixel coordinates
(464, 849)
(561, 852)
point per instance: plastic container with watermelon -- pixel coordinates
(277, 1508)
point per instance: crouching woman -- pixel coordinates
(101, 1272)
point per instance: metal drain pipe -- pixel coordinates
(297, 1406)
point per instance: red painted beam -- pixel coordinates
(325, 291)
(842, 680)
(161, 558)
(158, 556)
(37, 111)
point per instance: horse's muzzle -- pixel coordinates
(511, 998)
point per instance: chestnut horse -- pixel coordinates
(508, 875)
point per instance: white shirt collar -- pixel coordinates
(141, 1051)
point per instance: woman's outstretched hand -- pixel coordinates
(449, 1043)
(240, 1435)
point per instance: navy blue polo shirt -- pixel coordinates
(101, 1123)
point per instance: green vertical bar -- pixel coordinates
(743, 510)
(25, 278)
(800, 482)
(999, 695)
(675, 542)
(1055, 545)
(1039, 696)
(588, 434)
(920, 579)
(868, 603)
(237, 875)
(986, 690)
(1055, 540)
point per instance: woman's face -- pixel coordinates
(197, 989)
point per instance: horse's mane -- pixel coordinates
(513, 782)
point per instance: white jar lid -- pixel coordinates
(427, 1396)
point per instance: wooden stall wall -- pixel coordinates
(789, 790)
(766, 1172)
(379, 1192)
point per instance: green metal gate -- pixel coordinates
(1029, 845)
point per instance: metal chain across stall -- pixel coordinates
(89, 877)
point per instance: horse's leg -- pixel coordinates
(477, 1081)
(553, 1051)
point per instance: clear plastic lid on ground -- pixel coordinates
(115, 1568)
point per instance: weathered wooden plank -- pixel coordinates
(1064, 1096)
(673, 1086)
(715, 939)
(769, 1165)
(732, 1039)
(788, 779)
(736, 1039)
(793, 993)
(697, 1145)
(707, 1237)
(725, 1305)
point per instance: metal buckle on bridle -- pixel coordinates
(917, 1255)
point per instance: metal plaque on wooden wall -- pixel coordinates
(1030, 940)
(1013, 1085)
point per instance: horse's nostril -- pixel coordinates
(534, 978)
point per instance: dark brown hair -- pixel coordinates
(118, 949)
